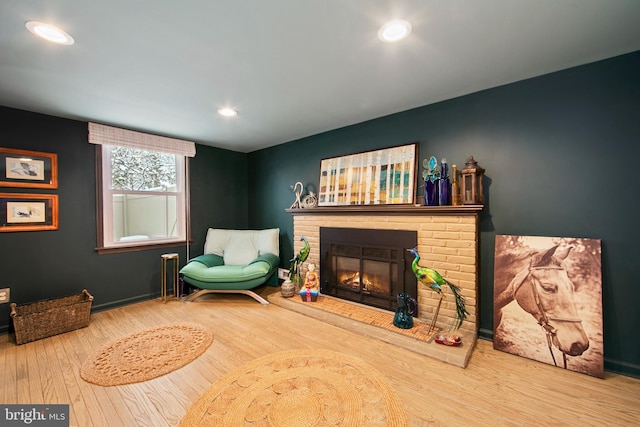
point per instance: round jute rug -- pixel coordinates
(299, 388)
(146, 354)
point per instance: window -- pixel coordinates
(142, 191)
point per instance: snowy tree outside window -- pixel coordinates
(140, 170)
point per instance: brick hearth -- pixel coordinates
(352, 319)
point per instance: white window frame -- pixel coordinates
(106, 137)
(108, 202)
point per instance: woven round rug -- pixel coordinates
(146, 354)
(299, 388)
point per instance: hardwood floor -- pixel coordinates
(495, 389)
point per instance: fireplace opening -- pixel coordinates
(367, 266)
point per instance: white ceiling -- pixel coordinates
(292, 68)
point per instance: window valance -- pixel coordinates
(108, 135)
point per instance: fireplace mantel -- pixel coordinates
(390, 210)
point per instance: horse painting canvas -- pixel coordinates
(548, 301)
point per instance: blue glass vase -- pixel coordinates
(444, 192)
(407, 307)
(431, 192)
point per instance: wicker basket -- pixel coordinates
(43, 319)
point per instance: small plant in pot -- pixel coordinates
(296, 264)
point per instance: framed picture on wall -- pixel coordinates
(379, 177)
(28, 169)
(28, 212)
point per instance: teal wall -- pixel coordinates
(218, 193)
(560, 154)
(49, 264)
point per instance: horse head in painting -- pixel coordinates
(544, 290)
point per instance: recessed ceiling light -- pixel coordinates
(49, 32)
(227, 112)
(394, 31)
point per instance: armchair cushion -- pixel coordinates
(240, 247)
(210, 260)
(200, 269)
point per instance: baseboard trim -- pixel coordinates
(485, 334)
(622, 368)
(122, 302)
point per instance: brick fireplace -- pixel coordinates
(447, 241)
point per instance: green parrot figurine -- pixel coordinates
(432, 279)
(300, 257)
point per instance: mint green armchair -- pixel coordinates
(235, 261)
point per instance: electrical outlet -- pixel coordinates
(283, 273)
(4, 295)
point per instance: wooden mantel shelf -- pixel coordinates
(390, 210)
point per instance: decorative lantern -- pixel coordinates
(471, 188)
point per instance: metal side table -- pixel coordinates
(176, 260)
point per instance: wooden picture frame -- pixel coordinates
(379, 177)
(28, 212)
(28, 169)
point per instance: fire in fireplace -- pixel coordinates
(367, 266)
